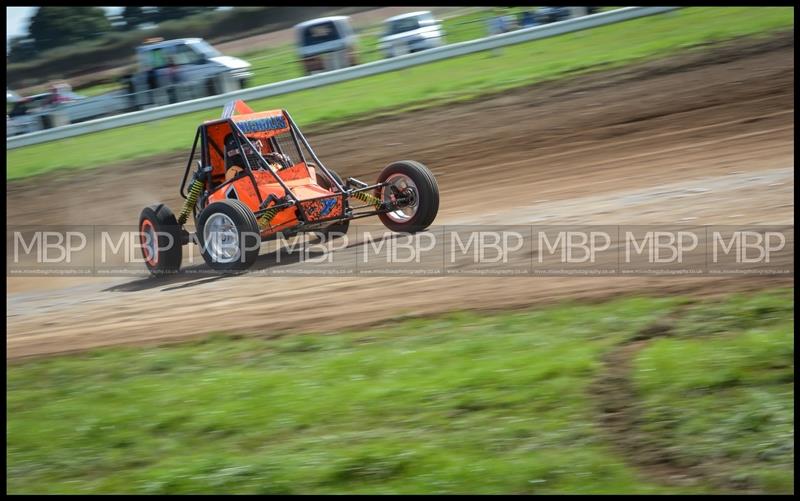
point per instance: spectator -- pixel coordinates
(173, 78)
(59, 93)
(495, 27)
(509, 23)
(496, 23)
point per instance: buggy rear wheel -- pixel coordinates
(228, 235)
(415, 183)
(160, 240)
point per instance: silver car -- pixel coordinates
(411, 32)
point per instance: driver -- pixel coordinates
(234, 161)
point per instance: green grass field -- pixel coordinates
(736, 392)
(462, 403)
(445, 81)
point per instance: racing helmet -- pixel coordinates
(233, 154)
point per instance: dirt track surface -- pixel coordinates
(700, 138)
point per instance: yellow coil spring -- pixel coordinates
(194, 192)
(266, 217)
(367, 198)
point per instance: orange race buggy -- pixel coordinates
(280, 187)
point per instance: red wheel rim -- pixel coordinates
(149, 249)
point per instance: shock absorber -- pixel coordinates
(266, 217)
(269, 214)
(367, 198)
(194, 192)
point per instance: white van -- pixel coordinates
(411, 32)
(327, 43)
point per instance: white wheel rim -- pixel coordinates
(221, 238)
(402, 183)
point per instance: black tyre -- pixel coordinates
(160, 240)
(336, 229)
(228, 234)
(417, 182)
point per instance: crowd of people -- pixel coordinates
(502, 21)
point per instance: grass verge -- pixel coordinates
(454, 404)
(445, 81)
(721, 391)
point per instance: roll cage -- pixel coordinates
(212, 153)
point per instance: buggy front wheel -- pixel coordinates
(228, 234)
(413, 185)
